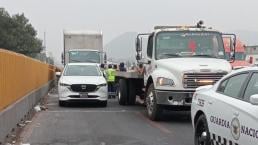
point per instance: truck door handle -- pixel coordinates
(210, 102)
(236, 114)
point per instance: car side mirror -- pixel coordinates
(58, 74)
(254, 99)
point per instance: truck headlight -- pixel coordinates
(165, 82)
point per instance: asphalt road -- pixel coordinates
(87, 124)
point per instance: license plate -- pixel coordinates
(84, 95)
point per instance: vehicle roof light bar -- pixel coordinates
(198, 25)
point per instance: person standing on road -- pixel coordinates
(122, 67)
(141, 69)
(111, 80)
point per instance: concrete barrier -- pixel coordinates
(13, 114)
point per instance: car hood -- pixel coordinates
(83, 80)
(181, 65)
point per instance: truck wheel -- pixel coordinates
(202, 134)
(122, 92)
(131, 94)
(154, 110)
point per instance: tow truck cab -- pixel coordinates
(178, 59)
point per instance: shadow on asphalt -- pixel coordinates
(174, 116)
(179, 116)
(83, 105)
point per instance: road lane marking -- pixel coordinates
(154, 124)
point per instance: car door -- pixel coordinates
(149, 67)
(223, 109)
(248, 114)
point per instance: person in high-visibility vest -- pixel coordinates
(110, 72)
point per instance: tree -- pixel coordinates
(17, 34)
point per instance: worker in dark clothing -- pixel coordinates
(122, 67)
(141, 69)
(115, 67)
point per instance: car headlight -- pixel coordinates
(64, 85)
(165, 82)
(101, 85)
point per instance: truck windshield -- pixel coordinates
(82, 70)
(189, 44)
(84, 56)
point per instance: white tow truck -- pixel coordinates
(178, 60)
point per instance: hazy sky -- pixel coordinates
(115, 17)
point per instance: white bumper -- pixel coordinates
(65, 94)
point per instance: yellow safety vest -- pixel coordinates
(111, 75)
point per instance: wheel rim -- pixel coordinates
(150, 103)
(201, 134)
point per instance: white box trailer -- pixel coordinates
(81, 44)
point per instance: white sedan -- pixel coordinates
(82, 82)
(227, 113)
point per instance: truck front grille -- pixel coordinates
(195, 80)
(83, 87)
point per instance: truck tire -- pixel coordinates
(122, 92)
(202, 134)
(153, 109)
(131, 93)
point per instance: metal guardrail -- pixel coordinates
(20, 75)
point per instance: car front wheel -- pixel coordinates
(202, 134)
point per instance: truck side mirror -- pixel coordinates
(233, 47)
(138, 56)
(232, 55)
(138, 44)
(251, 60)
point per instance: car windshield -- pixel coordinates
(189, 44)
(84, 56)
(82, 70)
